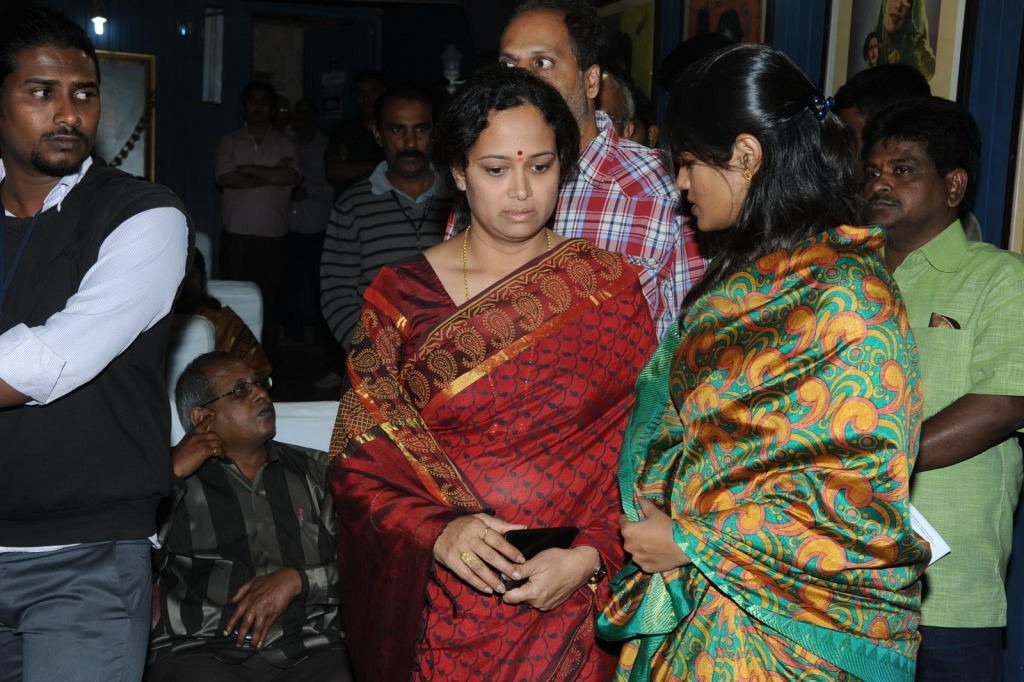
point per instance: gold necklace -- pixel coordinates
(465, 257)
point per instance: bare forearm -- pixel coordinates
(967, 427)
(9, 396)
(237, 179)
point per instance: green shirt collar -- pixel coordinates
(946, 251)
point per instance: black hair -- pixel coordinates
(28, 27)
(587, 37)
(625, 86)
(875, 88)
(254, 86)
(804, 184)
(689, 52)
(193, 297)
(644, 107)
(407, 92)
(498, 88)
(947, 130)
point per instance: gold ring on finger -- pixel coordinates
(467, 557)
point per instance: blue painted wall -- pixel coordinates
(800, 28)
(993, 90)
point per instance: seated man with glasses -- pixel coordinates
(247, 571)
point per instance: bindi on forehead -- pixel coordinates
(519, 154)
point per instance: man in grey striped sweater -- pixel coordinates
(397, 212)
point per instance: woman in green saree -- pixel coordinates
(765, 468)
(902, 31)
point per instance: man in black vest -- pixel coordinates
(90, 259)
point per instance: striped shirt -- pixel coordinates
(224, 529)
(373, 225)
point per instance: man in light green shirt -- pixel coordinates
(965, 301)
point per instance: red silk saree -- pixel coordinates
(513, 403)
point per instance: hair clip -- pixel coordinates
(821, 106)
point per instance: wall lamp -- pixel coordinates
(99, 17)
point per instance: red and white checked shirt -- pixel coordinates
(622, 198)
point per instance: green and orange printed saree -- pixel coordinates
(778, 428)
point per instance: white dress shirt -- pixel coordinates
(129, 288)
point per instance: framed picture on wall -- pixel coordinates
(127, 130)
(744, 21)
(933, 36)
(631, 35)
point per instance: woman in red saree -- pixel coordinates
(491, 380)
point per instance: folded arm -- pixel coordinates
(130, 288)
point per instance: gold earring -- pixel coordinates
(747, 177)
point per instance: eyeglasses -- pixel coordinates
(242, 390)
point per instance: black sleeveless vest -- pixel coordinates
(93, 464)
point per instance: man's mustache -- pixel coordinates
(64, 132)
(885, 199)
(412, 154)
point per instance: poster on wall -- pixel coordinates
(125, 138)
(743, 21)
(924, 34)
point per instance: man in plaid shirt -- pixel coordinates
(621, 197)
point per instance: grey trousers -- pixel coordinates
(77, 615)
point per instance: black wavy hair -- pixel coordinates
(587, 37)
(804, 185)
(28, 27)
(947, 130)
(497, 88)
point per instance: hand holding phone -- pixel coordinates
(533, 541)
